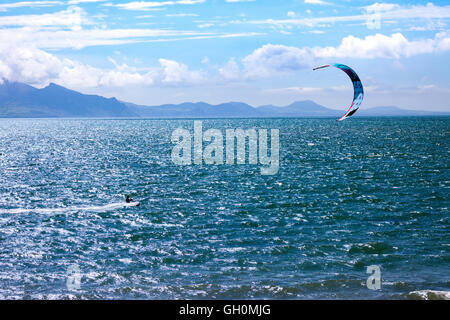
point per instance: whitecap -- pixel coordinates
(429, 295)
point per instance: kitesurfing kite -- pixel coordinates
(357, 87)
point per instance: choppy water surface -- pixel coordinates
(348, 195)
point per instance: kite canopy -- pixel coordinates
(357, 87)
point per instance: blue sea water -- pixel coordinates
(366, 191)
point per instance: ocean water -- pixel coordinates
(348, 195)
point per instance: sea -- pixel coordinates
(358, 209)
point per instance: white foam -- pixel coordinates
(107, 207)
(430, 295)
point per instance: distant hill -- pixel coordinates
(232, 110)
(195, 110)
(305, 108)
(21, 100)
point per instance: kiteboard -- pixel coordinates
(132, 204)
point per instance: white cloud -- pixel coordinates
(390, 12)
(182, 15)
(77, 39)
(71, 18)
(381, 46)
(84, 1)
(430, 25)
(270, 59)
(27, 65)
(178, 73)
(34, 66)
(381, 7)
(291, 14)
(296, 90)
(205, 25)
(24, 61)
(146, 5)
(230, 71)
(29, 4)
(321, 2)
(442, 42)
(145, 16)
(72, 28)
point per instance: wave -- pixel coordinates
(429, 295)
(108, 207)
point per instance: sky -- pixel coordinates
(255, 51)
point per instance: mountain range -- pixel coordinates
(19, 100)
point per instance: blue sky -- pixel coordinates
(259, 52)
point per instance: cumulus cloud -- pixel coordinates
(231, 70)
(29, 64)
(35, 66)
(177, 73)
(442, 41)
(382, 46)
(275, 58)
(378, 46)
(278, 59)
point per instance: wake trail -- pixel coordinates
(108, 207)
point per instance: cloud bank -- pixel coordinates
(35, 66)
(273, 59)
